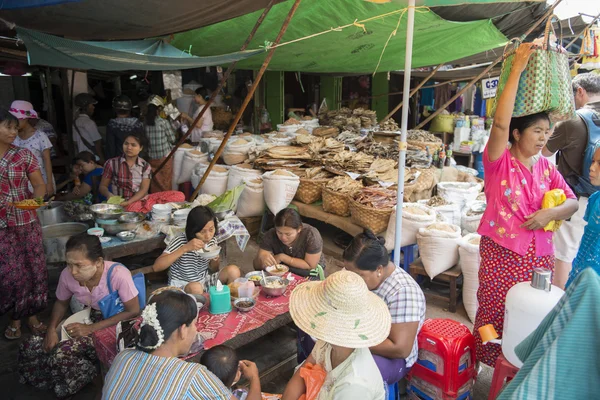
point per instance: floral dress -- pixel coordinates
(508, 252)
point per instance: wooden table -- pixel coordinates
(316, 212)
(134, 247)
(451, 277)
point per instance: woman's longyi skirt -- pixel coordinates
(23, 272)
(499, 271)
(162, 181)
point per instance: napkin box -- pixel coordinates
(220, 301)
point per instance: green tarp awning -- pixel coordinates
(351, 50)
(150, 54)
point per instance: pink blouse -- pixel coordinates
(513, 192)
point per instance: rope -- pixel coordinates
(10, 25)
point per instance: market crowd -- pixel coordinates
(359, 326)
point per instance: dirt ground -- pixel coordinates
(274, 354)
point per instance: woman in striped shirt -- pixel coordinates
(168, 330)
(188, 268)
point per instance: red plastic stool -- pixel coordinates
(504, 371)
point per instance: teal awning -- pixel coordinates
(149, 54)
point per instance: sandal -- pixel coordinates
(39, 329)
(12, 333)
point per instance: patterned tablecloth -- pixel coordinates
(216, 329)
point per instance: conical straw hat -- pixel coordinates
(341, 311)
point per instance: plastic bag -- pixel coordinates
(228, 200)
(553, 198)
(314, 377)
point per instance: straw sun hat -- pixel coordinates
(341, 311)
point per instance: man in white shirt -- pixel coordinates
(85, 130)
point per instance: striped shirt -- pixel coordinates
(161, 137)
(190, 267)
(406, 303)
(138, 375)
(126, 181)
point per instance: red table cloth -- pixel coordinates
(216, 329)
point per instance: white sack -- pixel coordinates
(411, 223)
(190, 161)
(252, 199)
(279, 189)
(450, 213)
(470, 223)
(459, 192)
(438, 248)
(178, 165)
(216, 182)
(469, 263)
(238, 174)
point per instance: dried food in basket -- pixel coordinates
(376, 197)
(419, 135)
(292, 121)
(317, 173)
(343, 185)
(288, 152)
(437, 201)
(389, 126)
(326, 131)
(349, 161)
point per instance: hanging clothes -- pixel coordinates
(427, 97)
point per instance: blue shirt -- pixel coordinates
(589, 250)
(90, 181)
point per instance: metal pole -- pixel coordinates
(213, 96)
(251, 91)
(410, 26)
(412, 93)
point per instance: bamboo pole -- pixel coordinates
(412, 92)
(213, 96)
(249, 96)
(548, 13)
(587, 26)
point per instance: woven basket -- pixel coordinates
(370, 218)
(310, 190)
(335, 203)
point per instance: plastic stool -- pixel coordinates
(393, 392)
(503, 371)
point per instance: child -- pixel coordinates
(589, 250)
(188, 269)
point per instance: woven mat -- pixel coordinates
(216, 329)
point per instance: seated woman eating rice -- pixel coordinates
(188, 268)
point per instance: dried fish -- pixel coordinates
(376, 197)
(292, 121)
(419, 135)
(437, 201)
(343, 184)
(389, 126)
(349, 120)
(317, 173)
(349, 161)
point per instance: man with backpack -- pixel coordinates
(85, 130)
(120, 127)
(575, 140)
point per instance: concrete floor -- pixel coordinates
(272, 350)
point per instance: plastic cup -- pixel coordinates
(487, 333)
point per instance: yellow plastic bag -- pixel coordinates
(553, 198)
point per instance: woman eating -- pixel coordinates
(513, 240)
(346, 319)
(88, 187)
(34, 140)
(168, 330)
(367, 256)
(161, 137)
(291, 242)
(67, 366)
(188, 269)
(23, 273)
(128, 175)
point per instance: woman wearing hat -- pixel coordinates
(23, 273)
(161, 138)
(346, 319)
(33, 140)
(85, 130)
(367, 256)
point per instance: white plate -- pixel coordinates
(209, 255)
(104, 239)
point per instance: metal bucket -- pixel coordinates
(55, 239)
(52, 214)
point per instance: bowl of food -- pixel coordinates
(126, 236)
(131, 217)
(274, 285)
(96, 232)
(244, 304)
(107, 211)
(209, 253)
(255, 276)
(277, 270)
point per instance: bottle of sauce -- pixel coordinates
(442, 157)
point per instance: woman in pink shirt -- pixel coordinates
(66, 367)
(513, 239)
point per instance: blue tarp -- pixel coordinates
(17, 4)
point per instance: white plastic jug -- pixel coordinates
(527, 304)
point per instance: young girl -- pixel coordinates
(128, 175)
(589, 250)
(34, 140)
(23, 273)
(86, 188)
(188, 269)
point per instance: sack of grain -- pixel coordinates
(191, 159)
(459, 192)
(216, 182)
(178, 163)
(438, 246)
(252, 199)
(414, 217)
(450, 212)
(238, 173)
(468, 249)
(471, 216)
(280, 189)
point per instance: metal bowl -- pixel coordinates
(107, 211)
(253, 274)
(200, 300)
(244, 304)
(126, 236)
(274, 292)
(114, 227)
(132, 217)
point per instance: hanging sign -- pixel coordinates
(489, 87)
